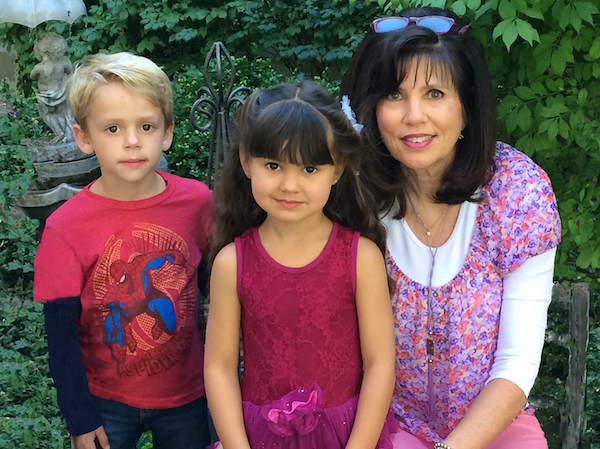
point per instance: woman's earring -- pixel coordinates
(460, 136)
(335, 182)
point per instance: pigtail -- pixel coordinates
(352, 203)
(235, 208)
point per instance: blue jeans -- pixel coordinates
(184, 427)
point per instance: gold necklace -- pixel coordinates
(428, 229)
(430, 324)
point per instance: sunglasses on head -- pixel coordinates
(437, 24)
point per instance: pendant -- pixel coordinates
(430, 347)
(428, 233)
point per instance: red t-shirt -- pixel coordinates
(134, 266)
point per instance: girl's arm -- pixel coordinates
(222, 352)
(376, 330)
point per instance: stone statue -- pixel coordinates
(62, 169)
(51, 75)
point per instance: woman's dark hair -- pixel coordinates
(300, 123)
(379, 66)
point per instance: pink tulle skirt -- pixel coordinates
(297, 421)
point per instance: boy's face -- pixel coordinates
(127, 132)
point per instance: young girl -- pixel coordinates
(310, 293)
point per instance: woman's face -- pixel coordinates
(420, 124)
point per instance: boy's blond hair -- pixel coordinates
(136, 73)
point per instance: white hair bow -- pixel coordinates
(350, 113)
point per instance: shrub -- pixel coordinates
(593, 391)
(17, 235)
(30, 417)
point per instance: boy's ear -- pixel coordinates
(168, 138)
(83, 140)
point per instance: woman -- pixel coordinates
(472, 230)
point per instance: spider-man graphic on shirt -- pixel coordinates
(133, 293)
(145, 300)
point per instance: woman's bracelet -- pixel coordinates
(441, 446)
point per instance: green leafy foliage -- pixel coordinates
(171, 33)
(544, 56)
(17, 235)
(17, 242)
(310, 36)
(30, 417)
(23, 121)
(188, 155)
(549, 108)
(593, 392)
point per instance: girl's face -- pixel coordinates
(289, 192)
(420, 124)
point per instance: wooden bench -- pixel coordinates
(574, 299)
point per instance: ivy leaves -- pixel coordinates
(30, 417)
(549, 108)
(310, 36)
(512, 25)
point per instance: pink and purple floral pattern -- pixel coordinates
(517, 219)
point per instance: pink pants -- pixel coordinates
(523, 433)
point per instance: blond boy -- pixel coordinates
(117, 270)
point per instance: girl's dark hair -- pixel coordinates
(379, 66)
(300, 123)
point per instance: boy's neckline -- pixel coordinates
(160, 185)
(133, 204)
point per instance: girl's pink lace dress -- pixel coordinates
(302, 361)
